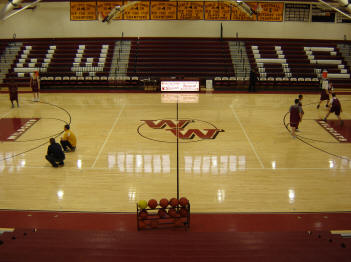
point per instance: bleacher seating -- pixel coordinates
(181, 58)
(65, 63)
(90, 63)
(291, 64)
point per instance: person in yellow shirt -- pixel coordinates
(68, 140)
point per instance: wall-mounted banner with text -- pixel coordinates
(83, 10)
(161, 10)
(190, 10)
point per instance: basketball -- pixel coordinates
(143, 214)
(142, 204)
(162, 213)
(183, 212)
(172, 212)
(183, 201)
(152, 203)
(174, 202)
(164, 202)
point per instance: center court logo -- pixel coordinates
(187, 130)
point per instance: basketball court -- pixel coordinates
(224, 152)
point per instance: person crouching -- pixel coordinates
(55, 154)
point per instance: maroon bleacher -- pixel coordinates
(155, 58)
(180, 58)
(301, 72)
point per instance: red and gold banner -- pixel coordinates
(217, 11)
(270, 12)
(182, 10)
(104, 8)
(138, 11)
(161, 10)
(190, 10)
(239, 15)
(83, 10)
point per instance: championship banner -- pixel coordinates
(161, 10)
(217, 11)
(104, 8)
(139, 11)
(239, 15)
(190, 10)
(270, 12)
(81, 11)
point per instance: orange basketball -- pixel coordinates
(143, 214)
(173, 202)
(162, 213)
(172, 212)
(183, 212)
(183, 201)
(164, 202)
(152, 203)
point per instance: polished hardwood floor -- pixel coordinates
(234, 153)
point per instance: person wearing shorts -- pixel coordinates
(35, 85)
(13, 92)
(335, 108)
(327, 88)
(295, 117)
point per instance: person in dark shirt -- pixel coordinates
(55, 154)
(335, 108)
(301, 111)
(13, 92)
(295, 117)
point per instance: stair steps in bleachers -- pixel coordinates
(239, 57)
(8, 57)
(120, 59)
(345, 50)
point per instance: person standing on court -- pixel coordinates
(301, 111)
(68, 140)
(295, 117)
(326, 89)
(55, 154)
(253, 79)
(13, 92)
(35, 85)
(335, 108)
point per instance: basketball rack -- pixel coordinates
(154, 221)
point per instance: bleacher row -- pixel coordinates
(279, 63)
(79, 63)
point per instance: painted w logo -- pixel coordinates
(177, 128)
(191, 133)
(159, 124)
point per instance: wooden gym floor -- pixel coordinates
(234, 153)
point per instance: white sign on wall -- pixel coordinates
(180, 86)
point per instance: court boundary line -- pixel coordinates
(108, 135)
(248, 138)
(124, 172)
(5, 114)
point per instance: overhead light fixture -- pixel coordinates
(117, 10)
(12, 5)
